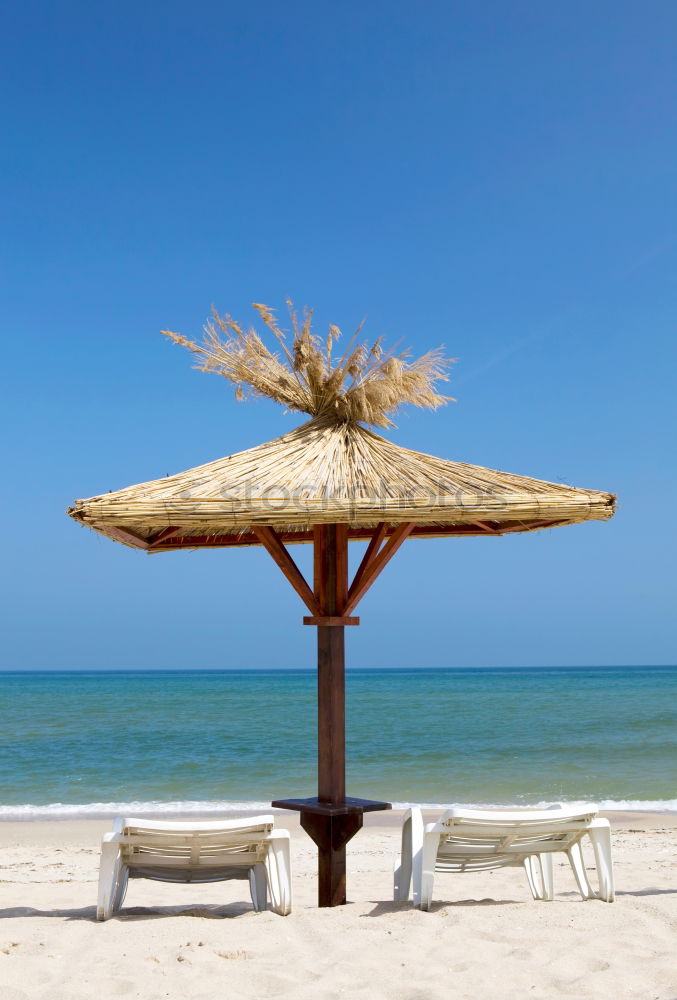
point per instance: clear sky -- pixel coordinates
(495, 177)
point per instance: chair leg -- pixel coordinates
(258, 887)
(533, 875)
(411, 858)
(121, 891)
(539, 875)
(575, 856)
(278, 871)
(600, 835)
(402, 872)
(424, 871)
(547, 878)
(112, 882)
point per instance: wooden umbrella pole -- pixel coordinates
(330, 818)
(331, 732)
(331, 590)
(330, 832)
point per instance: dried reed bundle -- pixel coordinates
(364, 385)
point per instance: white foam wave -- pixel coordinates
(605, 805)
(106, 810)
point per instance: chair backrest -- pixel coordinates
(213, 844)
(514, 831)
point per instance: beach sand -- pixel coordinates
(485, 937)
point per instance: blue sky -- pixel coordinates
(497, 178)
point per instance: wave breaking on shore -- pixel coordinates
(105, 810)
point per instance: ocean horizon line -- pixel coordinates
(9, 671)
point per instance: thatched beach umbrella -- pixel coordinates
(328, 482)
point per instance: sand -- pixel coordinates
(485, 937)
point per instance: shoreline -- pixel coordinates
(52, 831)
(58, 812)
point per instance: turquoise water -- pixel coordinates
(85, 743)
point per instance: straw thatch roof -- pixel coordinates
(332, 468)
(323, 472)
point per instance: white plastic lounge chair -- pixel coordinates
(471, 840)
(196, 852)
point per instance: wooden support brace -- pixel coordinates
(162, 536)
(530, 526)
(275, 548)
(371, 553)
(125, 536)
(377, 565)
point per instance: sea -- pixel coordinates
(94, 744)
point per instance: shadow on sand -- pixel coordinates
(385, 906)
(388, 906)
(132, 913)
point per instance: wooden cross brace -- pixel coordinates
(332, 599)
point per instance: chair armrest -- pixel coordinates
(113, 838)
(440, 828)
(279, 835)
(599, 824)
